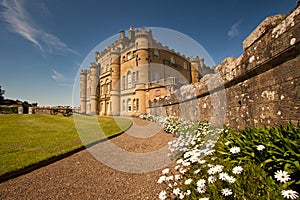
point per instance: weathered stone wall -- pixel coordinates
(261, 87)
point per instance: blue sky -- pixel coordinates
(44, 42)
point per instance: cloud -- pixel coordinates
(57, 76)
(20, 22)
(234, 30)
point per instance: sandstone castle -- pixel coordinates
(134, 72)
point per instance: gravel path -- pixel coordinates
(83, 176)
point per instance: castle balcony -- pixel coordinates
(105, 74)
(104, 97)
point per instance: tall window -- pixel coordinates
(108, 87)
(137, 104)
(123, 105)
(185, 66)
(134, 105)
(129, 105)
(129, 80)
(102, 89)
(137, 76)
(156, 53)
(134, 79)
(129, 56)
(172, 60)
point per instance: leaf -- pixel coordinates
(296, 163)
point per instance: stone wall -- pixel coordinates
(261, 87)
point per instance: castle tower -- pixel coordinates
(115, 82)
(93, 94)
(83, 89)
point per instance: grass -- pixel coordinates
(29, 139)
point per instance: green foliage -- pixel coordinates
(268, 160)
(281, 148)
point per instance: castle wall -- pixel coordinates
(261, 87)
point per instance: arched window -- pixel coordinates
(134, 105)
(134, 79)
(129, 85)
(129, 105)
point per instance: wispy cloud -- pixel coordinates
(234, 30)
(20, 22)
(61, 79)
(57, 76)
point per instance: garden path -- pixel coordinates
(125, 167)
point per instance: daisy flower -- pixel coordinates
(165, 171)
(201, 183)
(188, 181)
(162, 195)
(161, 179)
(204, 198)
(227, 143)
(223, 176)
(260, 147)
(235, 150)
(219, 168)
(231, 179)
(282, 176)
(188, 192)
(237, 170)
(226, 192)
(201, 190)
(212, 179)
(289, 194)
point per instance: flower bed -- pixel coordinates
(214, 163)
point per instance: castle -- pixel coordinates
(132, 74)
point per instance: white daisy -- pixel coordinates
(231, 179)
(226, 192)
(201, 190)
(212, 179)
(176, 191)
(197, 171)
(170, 178)
(165, 171)
(177, 167)
(223, 176)
(188, 181)
(289, 194)
(260, 147)
(204, 198)
(201, 183)
(235, 150)
(161, 179)
(177, 177)
(201, 162)
(188, 192)
(162, 195)
(237, 170)
(181, 170)
(219, 168)
(227, 143)
(282, 176)
(212, 171)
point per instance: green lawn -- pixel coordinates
(28, 139)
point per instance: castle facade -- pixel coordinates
(132, 74)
